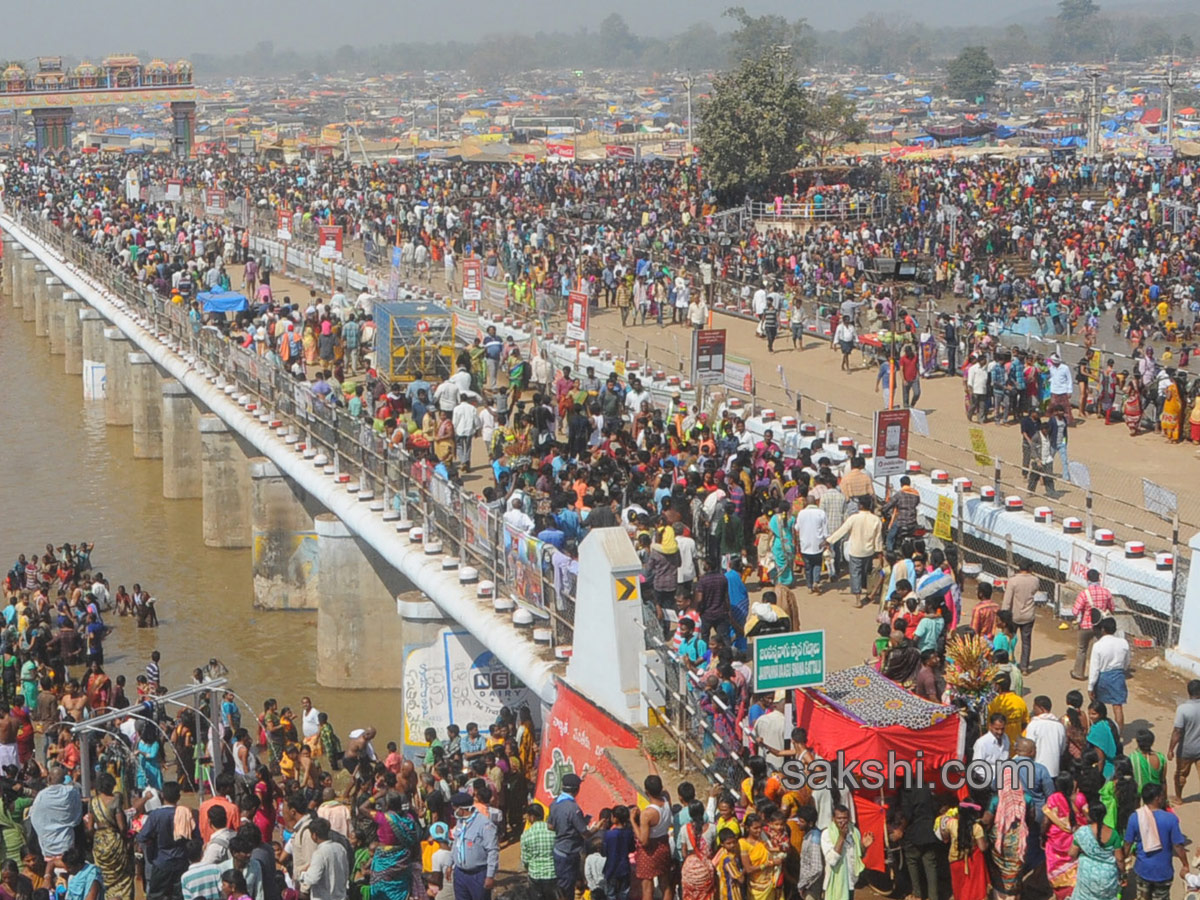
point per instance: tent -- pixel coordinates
(222, 301)
(864, 716)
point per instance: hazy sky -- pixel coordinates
(175, 27)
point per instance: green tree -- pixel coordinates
(971, 74)
(1077, 11)
(832, 123)
(756, 35)
(751, 127)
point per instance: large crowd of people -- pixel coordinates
(714, 511)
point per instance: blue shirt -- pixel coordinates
(1156, 866)
(739, 597)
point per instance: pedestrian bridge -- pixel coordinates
(400, 565)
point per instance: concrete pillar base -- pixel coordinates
(91, 335)
(25, 284)
(284, 554)
(41, 300)
(118, 387)
(72, 333)
(360, 635)
(9, 268)
(56, 326)
(225, 477)
(147, 407)
(182, 478)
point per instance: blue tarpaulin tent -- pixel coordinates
(222, 301)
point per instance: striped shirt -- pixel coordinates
(834, 505)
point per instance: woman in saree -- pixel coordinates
(98, 688)
(760, 860)
(309, 342)
(697, 877)
(1103, 736)
(1010, 831)
(398, 837)
(783, 544)
(1064, 811)
(1131, 410)
(1172, 411)
(183, 739)
(527, 744)
(1101, 858)
(961, 830)
(111, 847)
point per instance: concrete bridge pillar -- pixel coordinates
(72, 333)
(10, 248)
(56, 310)
(360, 634)
(181, 453)
(118, 388)
(91, 333)
(25, 283)
(146, 385)
(284, 554)
(225, 477)
(41, 300)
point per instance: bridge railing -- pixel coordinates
(468, 527)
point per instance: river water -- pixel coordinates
(67, 477)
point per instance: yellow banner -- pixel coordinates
(944, 522)
(979, 447)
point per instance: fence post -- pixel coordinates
(1008, 556)
(958, 506)
(996, 481)
(1088, 513)
(1176, 603)
(681, 727)
(828, 423)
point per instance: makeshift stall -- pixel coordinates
(864, 716)
(222, 301)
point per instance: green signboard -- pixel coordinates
(792, 660)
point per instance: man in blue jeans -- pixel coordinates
(811, 532)
(1154, 868)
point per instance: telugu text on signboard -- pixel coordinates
(791, 660)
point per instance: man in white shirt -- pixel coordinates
(517, 519)
(977, 382)
(811, 531)
(446, 395)
(328, 871)
(771, 730)
(993, 746)
(100, 593)
(309, 724)
(1047, 734)
(1106, 670)
(466, 426)
(1060, 387)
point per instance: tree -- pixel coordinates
(1079, 30)
(971, 74)
(749, 130)
(831, 123)
(1077, 11)
(756, 35)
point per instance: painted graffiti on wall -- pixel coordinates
(457, 680)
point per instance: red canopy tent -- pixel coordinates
(862, 715)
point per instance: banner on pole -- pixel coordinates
(891, 441)
(330, 242)
(708, 356)
(472, 270)
(283, 229)
(577, 316)
(215, 202)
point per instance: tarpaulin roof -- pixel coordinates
(222, 301)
